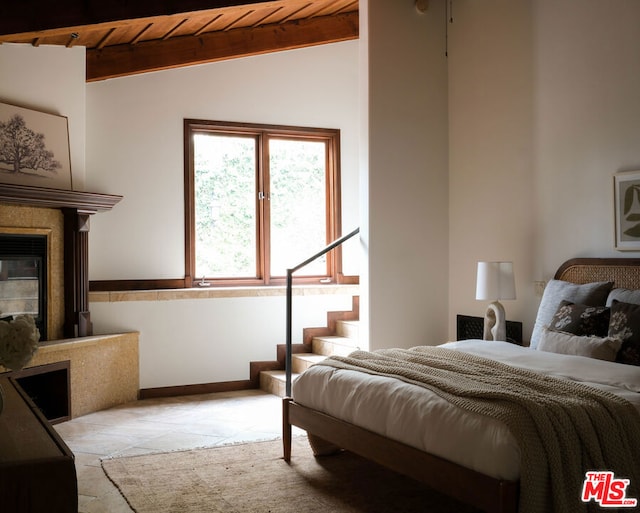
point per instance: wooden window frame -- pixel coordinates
(263, 133)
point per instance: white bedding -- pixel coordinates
(421, 419)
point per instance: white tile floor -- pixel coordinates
(160, 425)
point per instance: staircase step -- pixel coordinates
(275, 382)
(343, 341)
(341, 346)
(300, 362)
(348, 329)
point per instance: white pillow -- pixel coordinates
(592, 347)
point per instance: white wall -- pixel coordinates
(491, 157)
(543, 111)
(407, 184)
(49, 79)
(587, 123)
(363, 106)
(135, 148)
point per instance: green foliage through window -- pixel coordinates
(225, 205)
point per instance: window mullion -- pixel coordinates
(262, 176)
(266, 209)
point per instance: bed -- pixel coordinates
(442, 449)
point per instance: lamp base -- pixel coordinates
(495, 323)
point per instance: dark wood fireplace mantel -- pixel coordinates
(85, 202)
(76, 207)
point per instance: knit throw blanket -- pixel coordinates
(563, 428)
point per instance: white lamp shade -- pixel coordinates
(495, 281)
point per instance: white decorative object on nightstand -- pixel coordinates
(494, 282)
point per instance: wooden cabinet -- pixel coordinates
(469, 327)
(37, 470)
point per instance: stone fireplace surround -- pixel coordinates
(104, 369)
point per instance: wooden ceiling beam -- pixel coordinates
(25, 16)
(121, 60)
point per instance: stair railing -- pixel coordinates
(289, 348)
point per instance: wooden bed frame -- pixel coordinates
(484, 492)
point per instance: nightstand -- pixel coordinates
(473, 327)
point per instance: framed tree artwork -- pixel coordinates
(627, 210)
(34, 148)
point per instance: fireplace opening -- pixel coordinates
(23, 277)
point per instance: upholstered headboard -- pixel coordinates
(624, 272)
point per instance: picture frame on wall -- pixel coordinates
(626, 186)
(34, 148)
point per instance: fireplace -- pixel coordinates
(73, 373)
(63, 216)
(24, 278)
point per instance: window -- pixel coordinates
(260, 199)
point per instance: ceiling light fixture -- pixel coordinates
(422, 6)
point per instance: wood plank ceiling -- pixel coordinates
(125, 37)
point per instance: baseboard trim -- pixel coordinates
(201, 388)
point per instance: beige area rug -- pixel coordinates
(253, 478)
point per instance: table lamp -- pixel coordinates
(494, 282)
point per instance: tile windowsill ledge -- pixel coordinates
(219, 292)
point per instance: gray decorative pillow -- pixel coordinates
(583, 320)
(591, 294)
(625, 296)
(592, 347)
